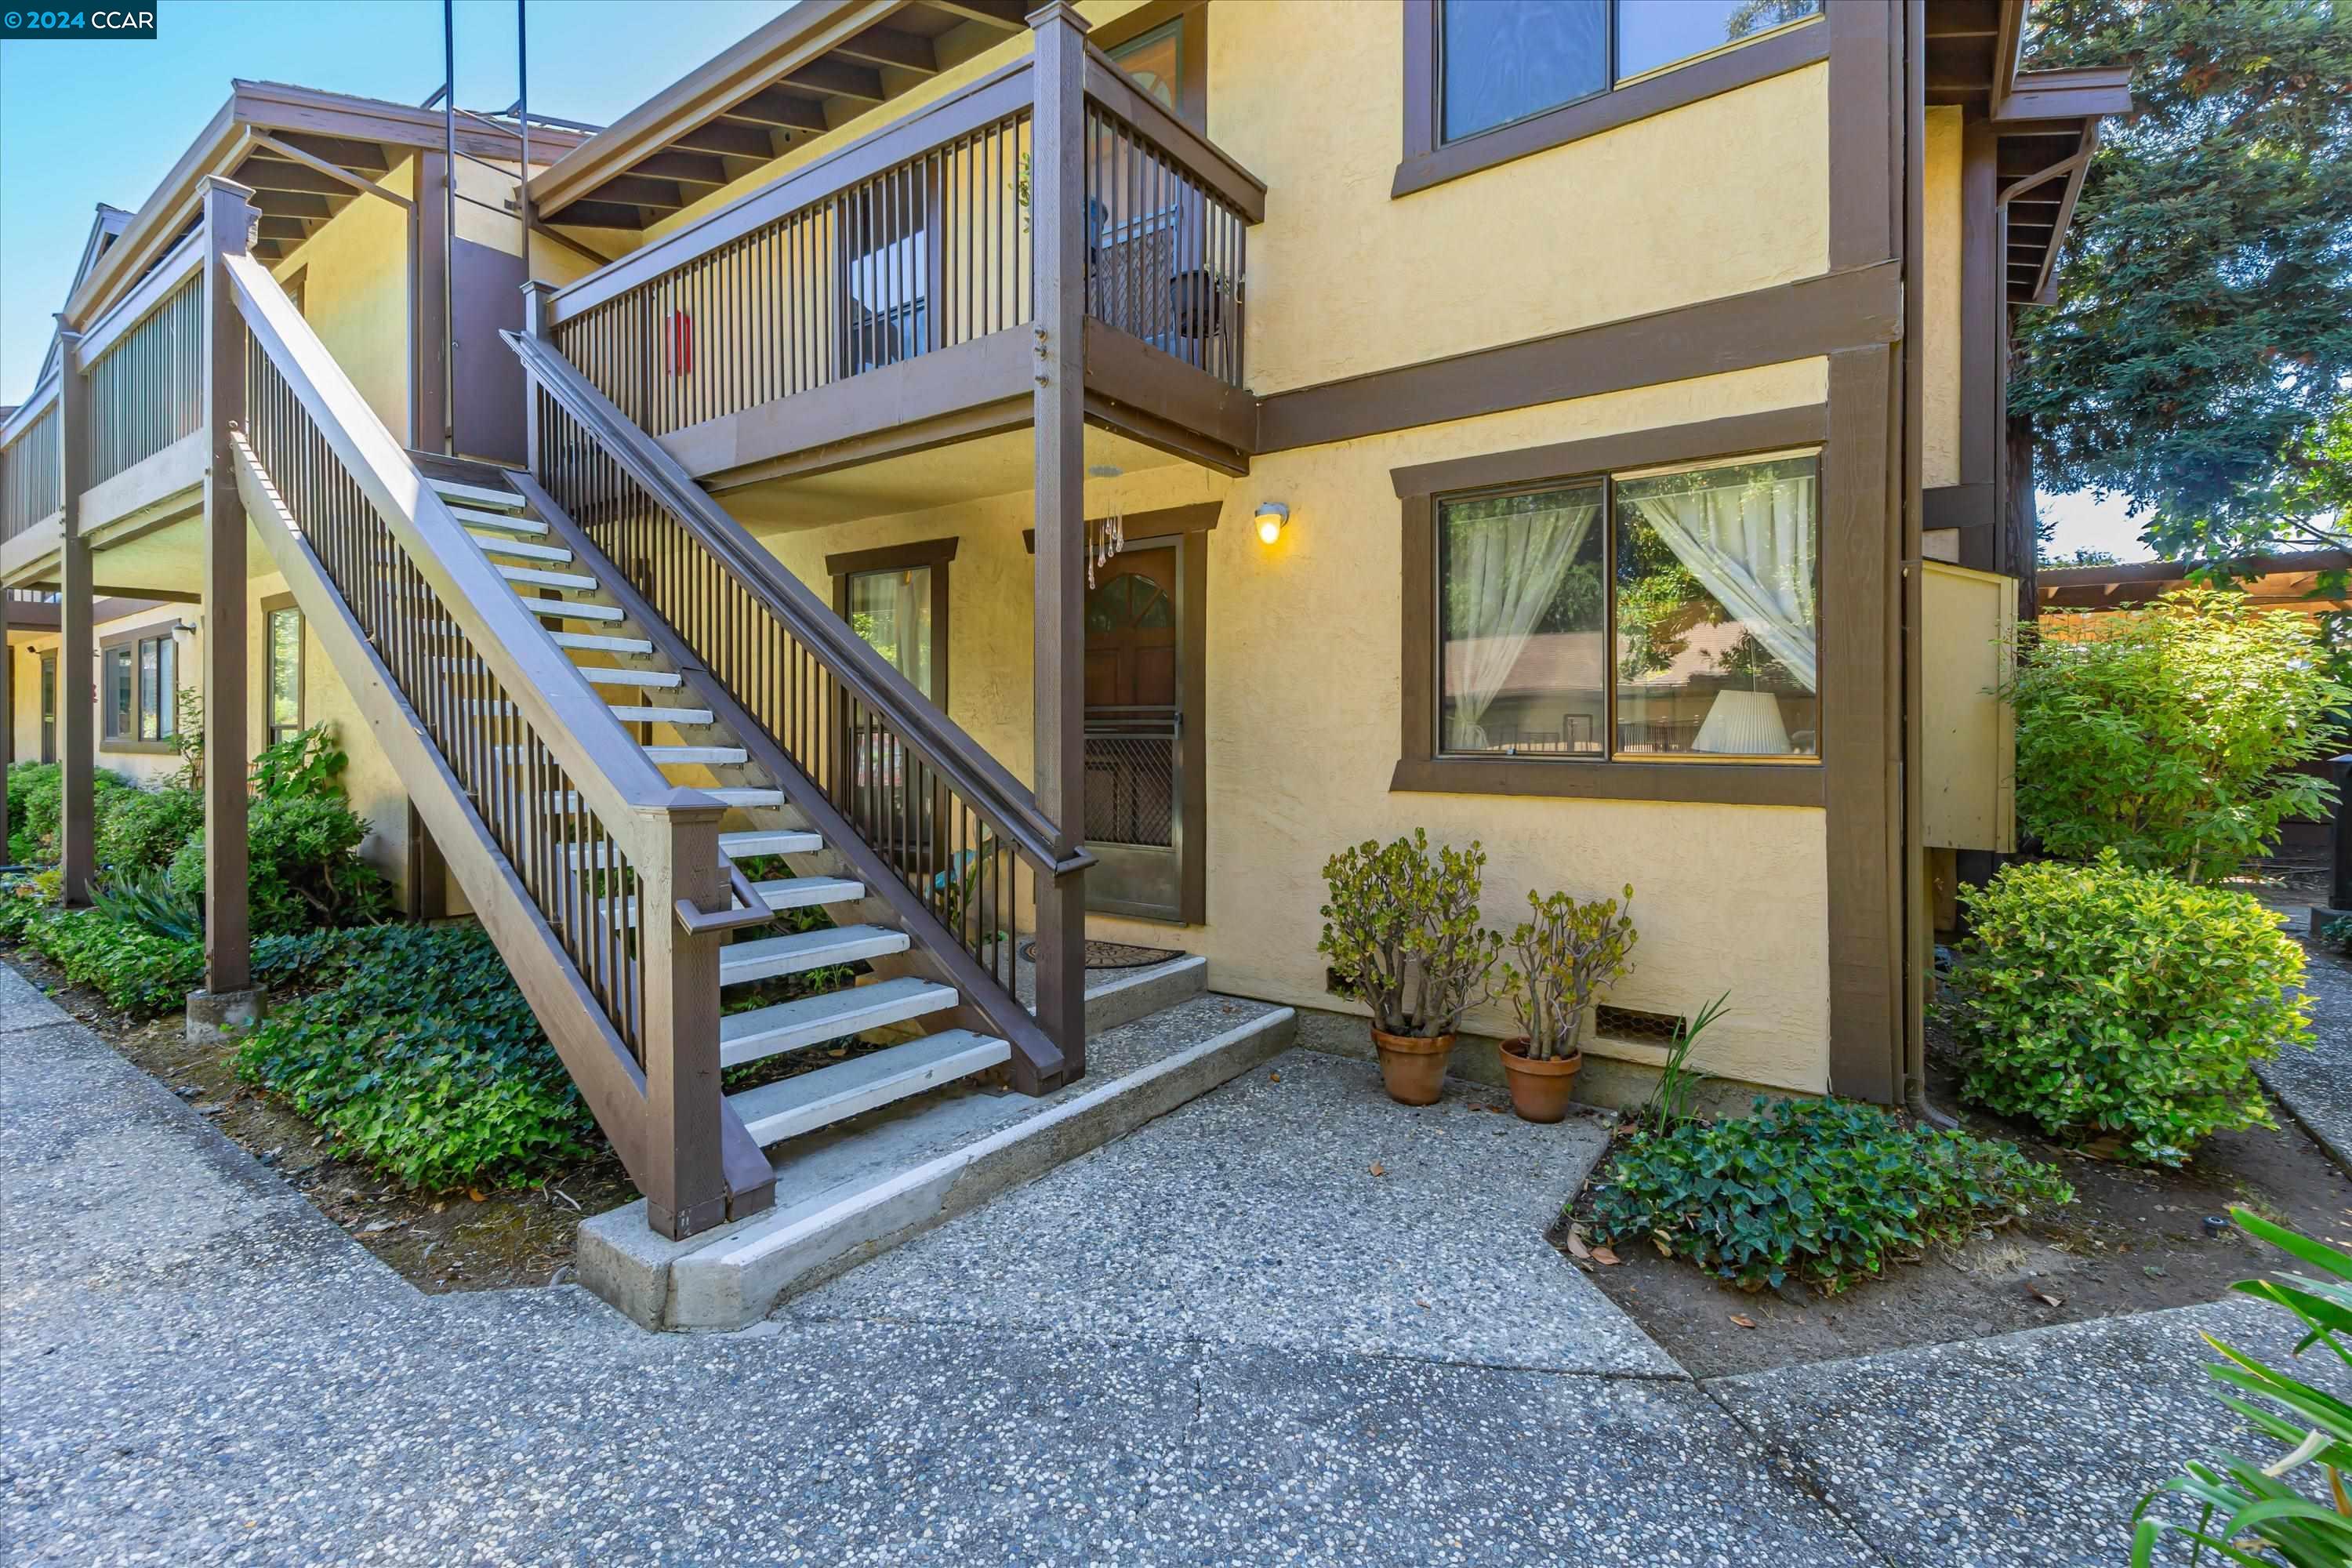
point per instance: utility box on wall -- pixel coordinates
(1968, 745)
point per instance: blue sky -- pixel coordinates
(86, 122)
(82, 123)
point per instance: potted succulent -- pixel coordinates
(1402, 932)
(1566, 955)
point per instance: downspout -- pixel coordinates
(448, 227)
(1918, 932)
(522, 124)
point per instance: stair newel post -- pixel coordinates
(77, 633)
(536, 297)
(1057, 219)
(685, 1177)
(228, 218)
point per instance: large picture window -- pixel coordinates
(1659, 615)
(896, 598)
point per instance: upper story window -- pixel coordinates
(1171, 62)
(1490, 80)
(1505, 61)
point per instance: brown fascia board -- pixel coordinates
(759, 60)
(2078, 92)
(226, 139)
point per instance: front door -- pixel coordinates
(1134, 724)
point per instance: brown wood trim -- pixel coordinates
(1984, 318)
(1158, 523)
(1728, 438)
(930, 554)
(137, 748)
(1959, 506)
(892, 557)
(1850, 308)
(1720, 783)
(1863, 193)
(1127, 371)
(1428, 162)
(1192, 740)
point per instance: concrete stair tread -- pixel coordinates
(600, 642)
(617, 675)
(813, 1020)
(572, 609)
(768, 956)
(540, 578)
(524, 550)
(769, 841)
(743, 798)
(792, 1105)
(787, 893)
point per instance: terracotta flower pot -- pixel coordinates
(1412, 1067)
(1540, 1090)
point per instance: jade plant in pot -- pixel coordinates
(1402, 932)
(1565, 955)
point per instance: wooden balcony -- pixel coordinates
(883, 299)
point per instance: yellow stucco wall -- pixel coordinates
(25, 711)
(1721, 197)
(1302, 721)
(1939, 300)
(355, 294)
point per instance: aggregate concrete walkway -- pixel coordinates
(2317, 1085)
(197, 1367)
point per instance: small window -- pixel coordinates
(1652, 615)
(283, 626)
(1156, 60)
(138, 690)
(1502, 61)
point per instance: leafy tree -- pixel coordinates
(2199, 354)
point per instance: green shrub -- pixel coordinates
(37, 808)
(304, 869)
(1827, 1192)
(1402, 931)
(307, 763)
(2245, 1505)
(147, 899)
(418, 1053)
(2098, 1000)
(23, 900)
(2167, 734)
(134, 969)
(143, 829)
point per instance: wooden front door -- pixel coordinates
(1135, 722)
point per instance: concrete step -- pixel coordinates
(792, 1106)
(540, 578)
(683, 718)
(768, 956)
(602, 642)
(813, 1020)
(709, 756)
(572, 609)
(477, 495)
(505, 522)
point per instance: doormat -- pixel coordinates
(1114, 954)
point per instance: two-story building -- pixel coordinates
(1064, 474)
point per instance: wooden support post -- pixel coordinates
(684, 1176)
(77, 635)
(228, 221)
(8, 709)
(1057, 217)
(535, 298)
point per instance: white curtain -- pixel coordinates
(1501, 574)
(1751, 541)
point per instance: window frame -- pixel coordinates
(1431, 160)
(132, 645)
(270, 607)
(934, 555)
(1424, 765)
(1191, 17)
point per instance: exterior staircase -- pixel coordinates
(694, 746)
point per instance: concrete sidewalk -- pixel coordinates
(198, 1367)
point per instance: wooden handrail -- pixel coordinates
(937, 741)
(185, 260)
(614, 777)
(1002, 92)
(1115, 91)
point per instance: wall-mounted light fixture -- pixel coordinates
(1272, 517)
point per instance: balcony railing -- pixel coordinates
(32, 466)
(144, 361)
(912, 240)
